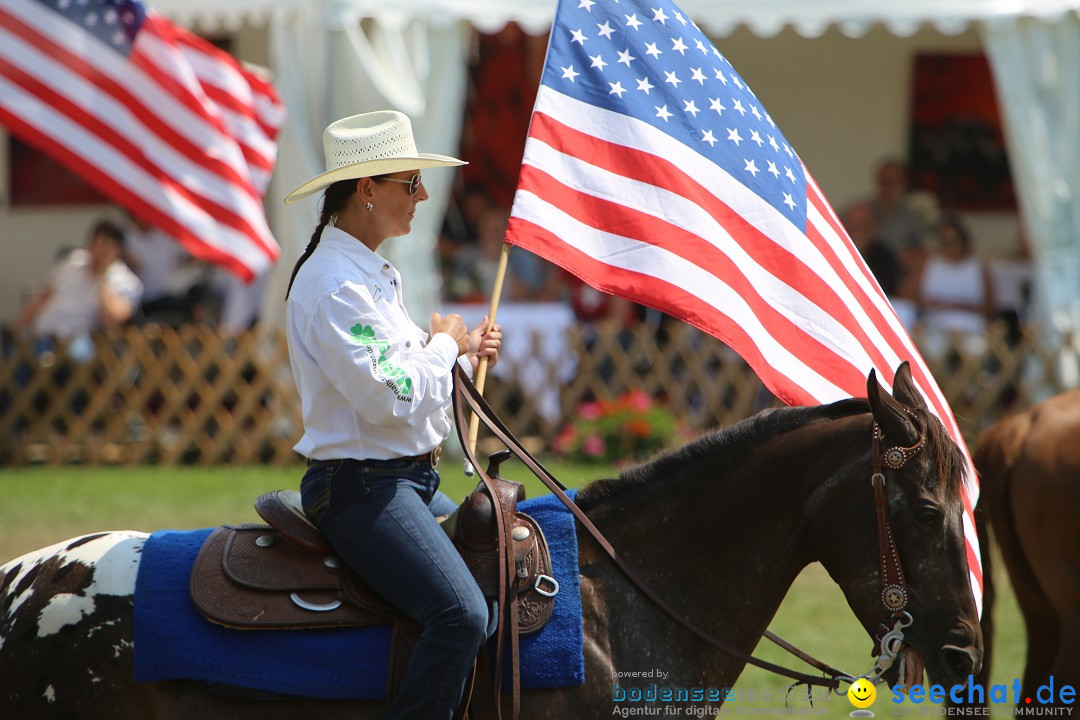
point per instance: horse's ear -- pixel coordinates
(904, 388)
(895, 423)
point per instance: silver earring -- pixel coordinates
(370, 207)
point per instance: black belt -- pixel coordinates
(432, 457)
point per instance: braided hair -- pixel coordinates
(334, 200)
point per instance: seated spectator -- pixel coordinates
(861, 225)
(899, 226)
(175, 289)
(90, 289)
(1013, 277)
(461, 227)
(529, 278)
(955, 295)
(240, 301)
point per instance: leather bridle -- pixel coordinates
(894, 593)
(894, 590)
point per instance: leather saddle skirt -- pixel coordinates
(285, 575)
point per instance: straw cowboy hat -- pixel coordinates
(375, 143)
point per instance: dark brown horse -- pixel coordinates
(1029, 466)
(721, 527)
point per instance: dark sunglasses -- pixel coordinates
(413, 182)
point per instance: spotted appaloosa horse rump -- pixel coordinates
(70, 592)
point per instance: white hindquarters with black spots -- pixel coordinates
(65, 611)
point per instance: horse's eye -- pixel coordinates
(928, 515)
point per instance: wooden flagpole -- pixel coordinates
(482, 368)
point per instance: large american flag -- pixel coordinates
(653, 172)
(167, 125)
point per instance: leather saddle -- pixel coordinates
(285, 574)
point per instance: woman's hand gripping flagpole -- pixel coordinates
(482, 367)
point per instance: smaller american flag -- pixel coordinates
(653, 171)
(156, 118)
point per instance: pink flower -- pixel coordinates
(639, 400)
(593, 446)
(589, 411)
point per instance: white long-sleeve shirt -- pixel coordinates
(372, 384)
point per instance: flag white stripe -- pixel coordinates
(634, 256)
(76, 138)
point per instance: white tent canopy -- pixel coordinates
(412, 55)
(719, 17)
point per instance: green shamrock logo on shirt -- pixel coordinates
(395, 377)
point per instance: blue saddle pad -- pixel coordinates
(174, 642)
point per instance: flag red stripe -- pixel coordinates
(122, 194)
(145, 115)
(601, 213)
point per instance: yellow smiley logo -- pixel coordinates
(862, 693)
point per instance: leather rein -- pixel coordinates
(894, 589)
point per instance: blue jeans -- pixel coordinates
(379, 515)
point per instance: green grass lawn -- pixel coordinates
(41, 506)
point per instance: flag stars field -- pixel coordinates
(665, 66)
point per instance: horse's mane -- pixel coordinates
(722, 447)
(951, 464)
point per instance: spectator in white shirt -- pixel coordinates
(374, 388)
(89, 290)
